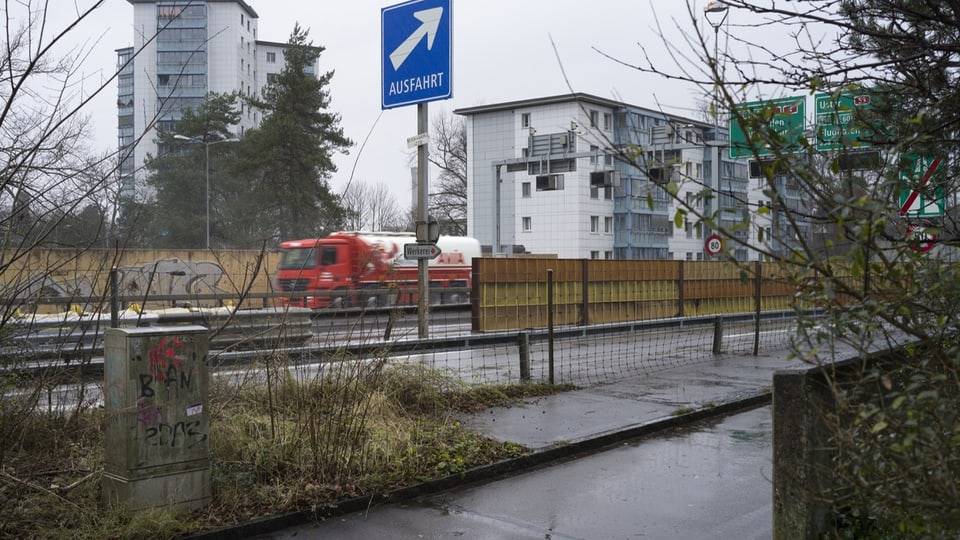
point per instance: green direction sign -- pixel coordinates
(839, 121)
(921, 186)
(784, 116)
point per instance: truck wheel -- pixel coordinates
(340, 299)
(365, 298)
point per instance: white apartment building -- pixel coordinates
(544, 178)
(182, 50)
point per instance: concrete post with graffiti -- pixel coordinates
(156, 393)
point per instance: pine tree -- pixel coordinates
(292, 150)
(178, 215)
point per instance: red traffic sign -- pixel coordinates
(714, 244)
(421, 251)
(920, 240)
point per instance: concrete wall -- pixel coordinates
(80, 273)
(803, 452)
(801, 455)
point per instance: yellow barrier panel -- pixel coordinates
(604, 291)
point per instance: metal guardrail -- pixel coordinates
(264, 300)
(498, 339)
(224, 355)
(71, 335)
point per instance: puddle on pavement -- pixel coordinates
(740, 435)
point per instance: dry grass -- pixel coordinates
(275, 448)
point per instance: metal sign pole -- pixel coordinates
(423, 265)
(416, 66)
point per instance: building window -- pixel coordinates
(608, 159)
(608, 193)
(593, 118)
(607, 225)
(525, 120)
(550, 182)
(271, 58)
(593, 153)
(607, 121)
(525, 189)
(608, 255)
(594, 224)
(594, 254)
(594, 192)
(527, 224)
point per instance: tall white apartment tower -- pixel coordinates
(182, 50)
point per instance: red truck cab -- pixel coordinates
(324, 266)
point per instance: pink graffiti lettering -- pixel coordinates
(148, 413)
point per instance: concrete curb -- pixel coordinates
(485, 472)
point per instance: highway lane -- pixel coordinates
(372, 325)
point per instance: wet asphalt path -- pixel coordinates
(708, 480)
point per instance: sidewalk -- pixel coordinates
(563, 425)
(601, 414)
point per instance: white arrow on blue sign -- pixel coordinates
(417, 55)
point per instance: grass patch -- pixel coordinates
(290, 445)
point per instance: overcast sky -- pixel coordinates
(504, 50)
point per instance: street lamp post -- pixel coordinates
(206, 196)
(716, 13)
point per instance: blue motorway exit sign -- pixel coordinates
(417, 54)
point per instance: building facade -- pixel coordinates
(578, 176)
(183, 50)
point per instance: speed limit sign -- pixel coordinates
(714, 244)
(920, 239)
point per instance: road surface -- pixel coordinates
(708, 480)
